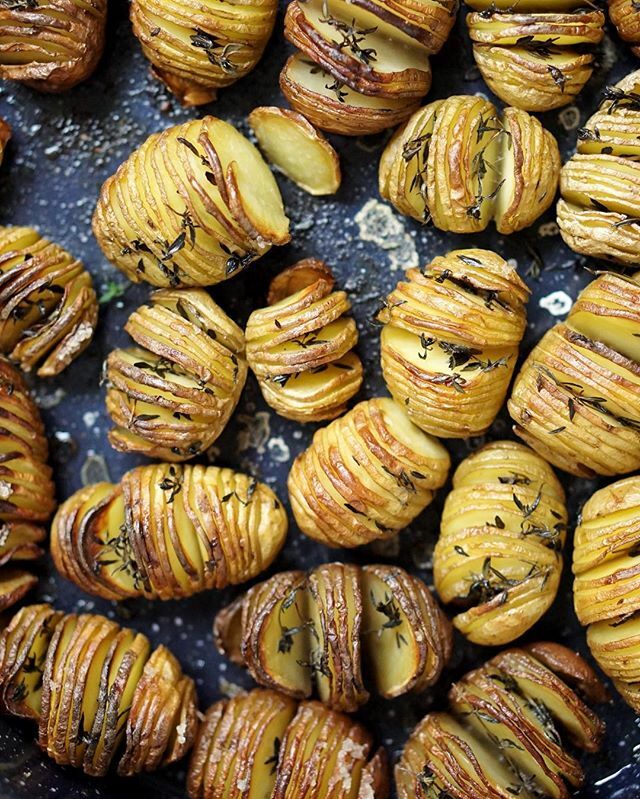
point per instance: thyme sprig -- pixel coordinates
(219, 53)
(351, 35)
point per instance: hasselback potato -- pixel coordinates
(192, 206)
(197, 48)
(363, 66)
(450, 341)
(366, 475)
(97, 691)
(502, 531)
(605, 591)
(599, 210)
(300, 347)
(171, 396)
(51, 45)
(535, 55)
(26, 486)
(48, 307)
(323, 630)
(506, 729)
(167, 531)
(264, 744)
(459, 164)
(624, 15)
(576, 400)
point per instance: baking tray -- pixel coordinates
(62, 150)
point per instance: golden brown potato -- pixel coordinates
(366, 475)
(264, 744)
(325, 629)
(458, 164)
(505, 732)
(576, 400)
(167, 531)
(192, 206)
(171, 396)
(96, 689)
(51, 45)
(536, 57)
(48, 307)
(5, 135)
(300, 347)
(599, 210)
(499, 554)
(26, 486)
(197, 48)
(363, 66)
(450, 341)
(297, 149)
(605, 590)
(624, 15)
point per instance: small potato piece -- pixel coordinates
(576, 400)
(167, 531)
(296, 148)
(83, 679)
(503, 734)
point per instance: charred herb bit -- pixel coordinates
(161, 367)
(194, 150)
(318, 663)
(586, 134)
(539, 48)
(469, 260)
(390, 610)
(507, 681)
(552, 536)
(459, 354)
(273, 759)
(136, 245)
(491, 583)
(118, 552)
(187, 224)
(308, 340)
(285, 644)
(236, 261)
(402, 479)
(172, 483)
(337, 88)
(461, 551)
(557, 430)
(352, 36)
(619, 97)
(527, 510)
(19, 692)
(218, 53)
(426, 344)
(497, 522)
(456, 381)
(250, 492)
(542, 714)
(514, 479)
(19, 5)
(559, 78)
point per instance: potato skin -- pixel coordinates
(430, 168)
(604, 589)
(48, 306)
(503, 563)
(27, 493)
(507, 47)
(365, 476)
(82, 716)
(337, 639)
(196, 50)
(53, 46)
(460, 752)
(312, 751)
(180, 334)
(623, 15)
(224, 528)
(600, 183)
(305, 332)
(213, 228)
(576, 398)
(467, 306)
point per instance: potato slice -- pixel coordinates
(296, 148)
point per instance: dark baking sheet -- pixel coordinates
(63, 149)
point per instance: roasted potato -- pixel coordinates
(297, 149)
(325, 629)
(450, 341)
(51, 45)
(624, 15)
(503, 734)
(599, 210)
(301, 346)
(366, 475)
(264, 744)
(167, 531)
(363, 66)
(499, 554)
(48, 307)
(458, 164)
(171, 396)
(605, 590)
(96, 690)
(197, 48)
(5, 136)
(192, 206)
(535, 56)
(576, 400)
(26, 487)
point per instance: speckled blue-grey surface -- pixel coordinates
(63, 149)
